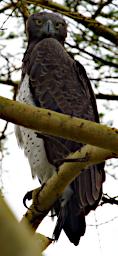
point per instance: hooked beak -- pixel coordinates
(49, 28)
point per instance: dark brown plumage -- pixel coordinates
(60, 83)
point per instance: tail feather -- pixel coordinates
(59, 224)
(82, 196)
(71, 220)
(76, 229)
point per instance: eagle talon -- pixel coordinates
(28, 196)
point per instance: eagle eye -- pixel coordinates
(38, 22)
(57, 24)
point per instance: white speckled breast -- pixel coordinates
(32, 145)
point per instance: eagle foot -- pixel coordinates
(28, 196)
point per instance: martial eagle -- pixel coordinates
(52, 79)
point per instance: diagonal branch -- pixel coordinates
(53, 123)
(44, 199)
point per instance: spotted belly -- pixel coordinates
(33, 146)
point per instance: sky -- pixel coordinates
(102, 225)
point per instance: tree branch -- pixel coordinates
(43, 241)
(95, 57)
(100, 7)
(15, 238)
(93, 25)
(6, 7)
(44, 199)
(9, 82)
(24, 11)
(109, 200)
(3, 136)
(102, 96)
(54, 123)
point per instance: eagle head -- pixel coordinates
(44, 24)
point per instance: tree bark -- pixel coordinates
(53, 123)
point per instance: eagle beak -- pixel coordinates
(49, 28)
